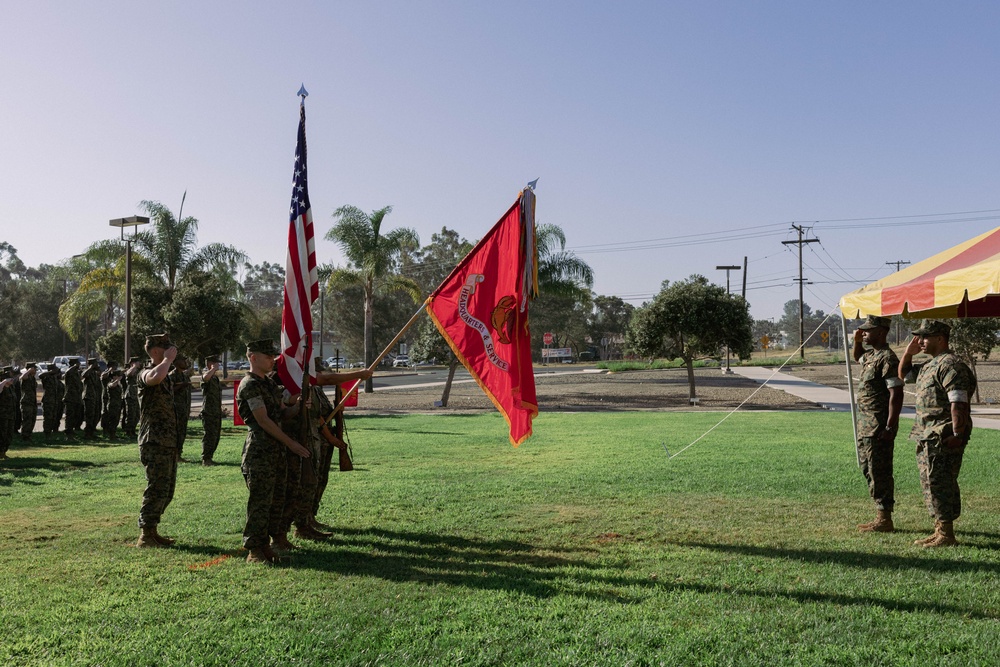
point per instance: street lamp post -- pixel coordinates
(131, 221)
(727, 269)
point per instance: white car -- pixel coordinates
(401, 361)
(63, 362)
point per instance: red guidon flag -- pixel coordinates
(301, 279)
(481, 309)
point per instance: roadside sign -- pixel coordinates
(547, 338)
(824, 336)
(765, 342)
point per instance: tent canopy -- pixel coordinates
(963, 281)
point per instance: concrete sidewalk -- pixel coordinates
(838, 400)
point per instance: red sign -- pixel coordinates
(352, 398)
(547, 338)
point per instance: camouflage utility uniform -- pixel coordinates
(91, 400)
(263, 461)
(943, 380)
(130, 412)
(112, 405)
(303, 481)
(73, 399)
(29, 405)
(211, 416)
(878, 375)
(157, 449)
(51, 401)
(8, 406)
(182, 404)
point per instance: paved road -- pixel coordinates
(838, 400)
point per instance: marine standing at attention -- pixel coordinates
(74, 397)
(211, 410)
(91, 398)
(130, 414)
(157, 439)
(945, 385)
(182, 401)
(880, 400)
(29, 401)
(260, 406)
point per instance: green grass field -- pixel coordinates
(585, 546)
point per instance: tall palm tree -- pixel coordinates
(560, 272)
(372, 256)
(172, 251)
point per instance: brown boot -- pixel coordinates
(165, 541)
(147, 538)
(881, 524)
(319, 525)
(931, 538)
(280, 544)
(306, 532)
(944, 537)
(259, 556)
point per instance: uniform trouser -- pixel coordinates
(50, 417)
(212, 423)
(28, 414)
(74, 416)
(876, 466)
(131, 419)
(92, 415)
(300, 489)
(264, 472)
(326, 454)
(939, 467)
(112, 415)
(6, 433)
(161, 478)
(182, 429)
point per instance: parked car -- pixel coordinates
(336, 362)
(62, 362)
(401, 361)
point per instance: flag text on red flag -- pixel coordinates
(481, 309)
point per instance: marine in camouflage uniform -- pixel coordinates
(211, 410)
(60, 397)
(303, 480)
(182, 401)
(130, 412)
(73, 399)
(944, 387)
(259, 403)
(112, 380)
(91, 398)
(880, 400)
(157, 440)
(8, 407)
(29, 401)
(51, 399)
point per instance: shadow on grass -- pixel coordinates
(543, 572)
(22, 468)
(861, 559)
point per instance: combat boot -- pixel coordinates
(319, 525)
(944, 537)
(307, 532)
(881, 524)
(280, 544)
(147, 538)
(165, 541)
(931, 538)
(259, 556)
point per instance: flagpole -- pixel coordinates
(392, 343)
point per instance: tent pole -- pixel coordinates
(850, 386)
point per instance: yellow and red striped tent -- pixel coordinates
(963, 281)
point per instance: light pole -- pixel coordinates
(122, 223)
(727, 269)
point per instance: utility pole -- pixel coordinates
(802, 327)
(897, 264)
(727, 269)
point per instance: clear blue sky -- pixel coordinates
(645, 122)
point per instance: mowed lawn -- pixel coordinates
(585, 546)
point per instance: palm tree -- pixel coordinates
(171, 248)
(560, 273)
(372, 256)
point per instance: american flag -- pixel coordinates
(301, 279)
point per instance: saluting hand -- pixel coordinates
(913, 347)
